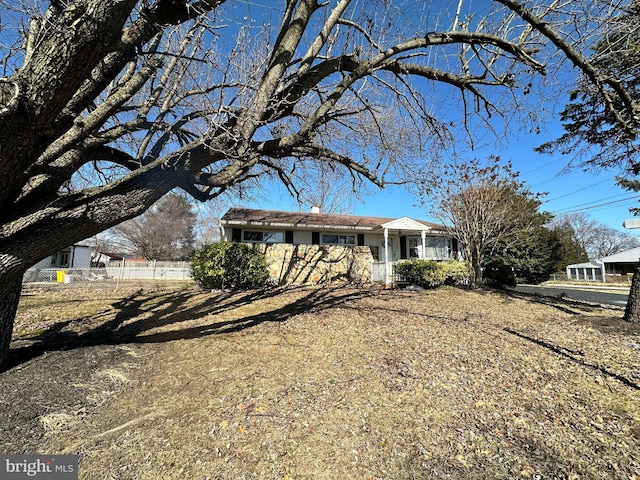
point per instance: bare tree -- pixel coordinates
(328, 189)
(485, 207)
(611, 241)
(164, 232)
(582, 229)
(600, 120)
(207, 228)
(107, 105)
(596, 238)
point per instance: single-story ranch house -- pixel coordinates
(370, 245)
(611, 268)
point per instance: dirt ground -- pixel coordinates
(151, 383)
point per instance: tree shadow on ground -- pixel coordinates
(575, 357)
(139, 313)
(559, 302)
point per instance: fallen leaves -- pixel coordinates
(382, 384)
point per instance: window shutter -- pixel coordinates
(315, 238)
(288, 236)
(361, 239)
(236, 235)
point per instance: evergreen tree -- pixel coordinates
(536, 256)
(570, 251)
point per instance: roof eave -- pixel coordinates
(318, 226)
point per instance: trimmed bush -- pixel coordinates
(431, 273)
(229, 265)
(499, 275)
(457, 273)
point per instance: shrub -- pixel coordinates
(229, 265)
(457, 273)
(430, 273)
(499, 275)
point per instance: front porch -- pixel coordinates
(379, 273)
(405, 239)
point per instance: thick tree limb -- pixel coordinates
(601, 81)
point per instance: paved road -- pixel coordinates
(608, 296)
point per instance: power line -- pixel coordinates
(540, 167)
(580, 190)
(588, 203)
(584, 206)
(600, 208)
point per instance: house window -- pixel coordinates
(414, 242)
(264, 237)
(330, 239)
(60, 259)
(437, 248)
(64, 259)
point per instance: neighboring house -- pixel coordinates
(75, 256)
(589, 271)
(613, 267)
(102, 259)
(387, 240)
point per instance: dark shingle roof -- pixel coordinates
(243, 216)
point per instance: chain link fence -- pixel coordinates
(110, 276)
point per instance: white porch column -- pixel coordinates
(387, 265)
(423, 236)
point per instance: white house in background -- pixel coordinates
(390, 239)
(75, 256)
(618, 265)
(588, 271)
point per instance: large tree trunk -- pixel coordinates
(10, 288)
(477, 275)
(476, 264)
(632, 311)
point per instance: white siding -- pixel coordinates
(80, 256)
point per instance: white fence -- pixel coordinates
(114, 272)
(151, 270)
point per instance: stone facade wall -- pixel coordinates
(312, 264)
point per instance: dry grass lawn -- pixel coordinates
(346, 383)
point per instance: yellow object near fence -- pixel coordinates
(60, 274)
